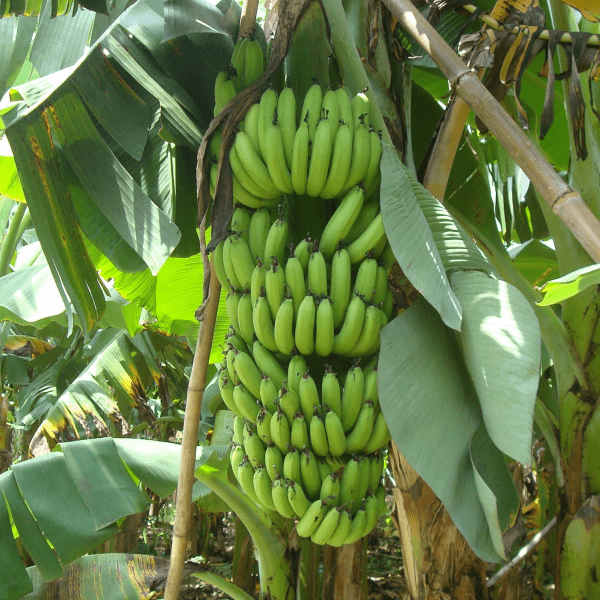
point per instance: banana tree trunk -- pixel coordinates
(438, 562)
(345, 571)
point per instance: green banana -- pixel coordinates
(309, 396)
(275, 286)
(251, 126)
(345, 107)
(338, 537)
(330, 110)
(311, 109)
(273, 461)
(318, 435)
(280, 498)
(235, 340)
(243, 196)
(361, 153)
(364, 284)
(215, 146)
(254, 448)
(327, 527)
(325, 469)
(303, 251)
(352, 396)
(325, 333)
(388, 304)
(266, 111)
(246, 180)
(268, 364)
(294, 279)
(341, 221)
(320, 157)
(357, 529)
(258, 229)
(368, 340)
(254, 64)
(276, 243)
(345, 340)
(362, 245)
(219, 265)
(341, 285)
(373, 509)
(358, 437)
(230, 367)
(262, 487)
(336, 437)
(229, 266)
(286, 113)
(360, 106)
(242, 261)
(226, 389)
(370, 391)
(263, 426)
(331, 394)
(311, 477)
(263, 325)
(380, 436)
(330, 488)
(248, 372)
(291, 466)
(299, 435)
(289, 402)
(257, 281)
(253, 163)
(298, 500)
(300, 152)
(224, 90)
(238, 62)
(349, 483)
(231, 306)
(236, 457)
(240, 222)
(284, 327)
(246, 402)
(312, 518)
(387, 258)
(275, 157)
(376, 470)
(381, 286)
(340, 162)
(245, 477)
(238, 431)
(296, 370)
(367, 213)
(317, 274)
(304, 334)
(373, 175)
(280, 431)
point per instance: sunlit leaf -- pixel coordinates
(570, 285)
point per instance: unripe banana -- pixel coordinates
(248, 372)
(341, 157)
(373, 175)
(373, 509)
(379, 247)
(263, 427)
(299, 434)
(273, 461)
(238, 62)
(254, 448)
(238, 431)
(357, 529)
(229, 266)
(257, 282)
(281, 500)
(349, 483)
(254, 64)
(311, 109)
(215, 145)
(298, 500)
(245, 477)
(345, 107)
(243, 196)
(376, 470)
(370, 391)
(341, 286)
(275, 157)
(224, 91)
(294, 279)
(364, 284)
(309, 396)
(331, 394)
(296, 370)
(336, 437)
(364, 478)
(368, 340)
(305, 326)
(231, 306)
(235, 340)
(338, 538)
(230, 367)
(360, 106)
(267, 363)
(251, 126)
(286, 113)
(253, 163)
(380, 436)
(368, 212)
(262, 487)
(387, 258)
(325, 469)
(388, 304)
(284, 326)
(330, 110)
(246, 402)
(242, 261)
(246, 180)
(275, 286)
(348, 335)
(325, 333)
(267, 106)
(226, 389)
(236, 457)
(260, 223)
(341, 221)
(381, 287)
(276, 243)
(352, 397)
(330, 488)
(320, 158)
(327, 527)
(317, 274)
(361, 153)
(307, 525)
(220, 266)
(280, 431)
(362, 245)
(240, 222)
(291, 466)
(318, 435)
(311, 477)
(300, 151)
(289, 402)
(303, 251)
(263, 325)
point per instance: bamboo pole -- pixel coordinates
(565, 202)
(197, 384)
(248, 18)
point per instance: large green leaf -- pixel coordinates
(433, 413)
(10, 185)
(570, 285)
(15, 38)
(501, 345)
